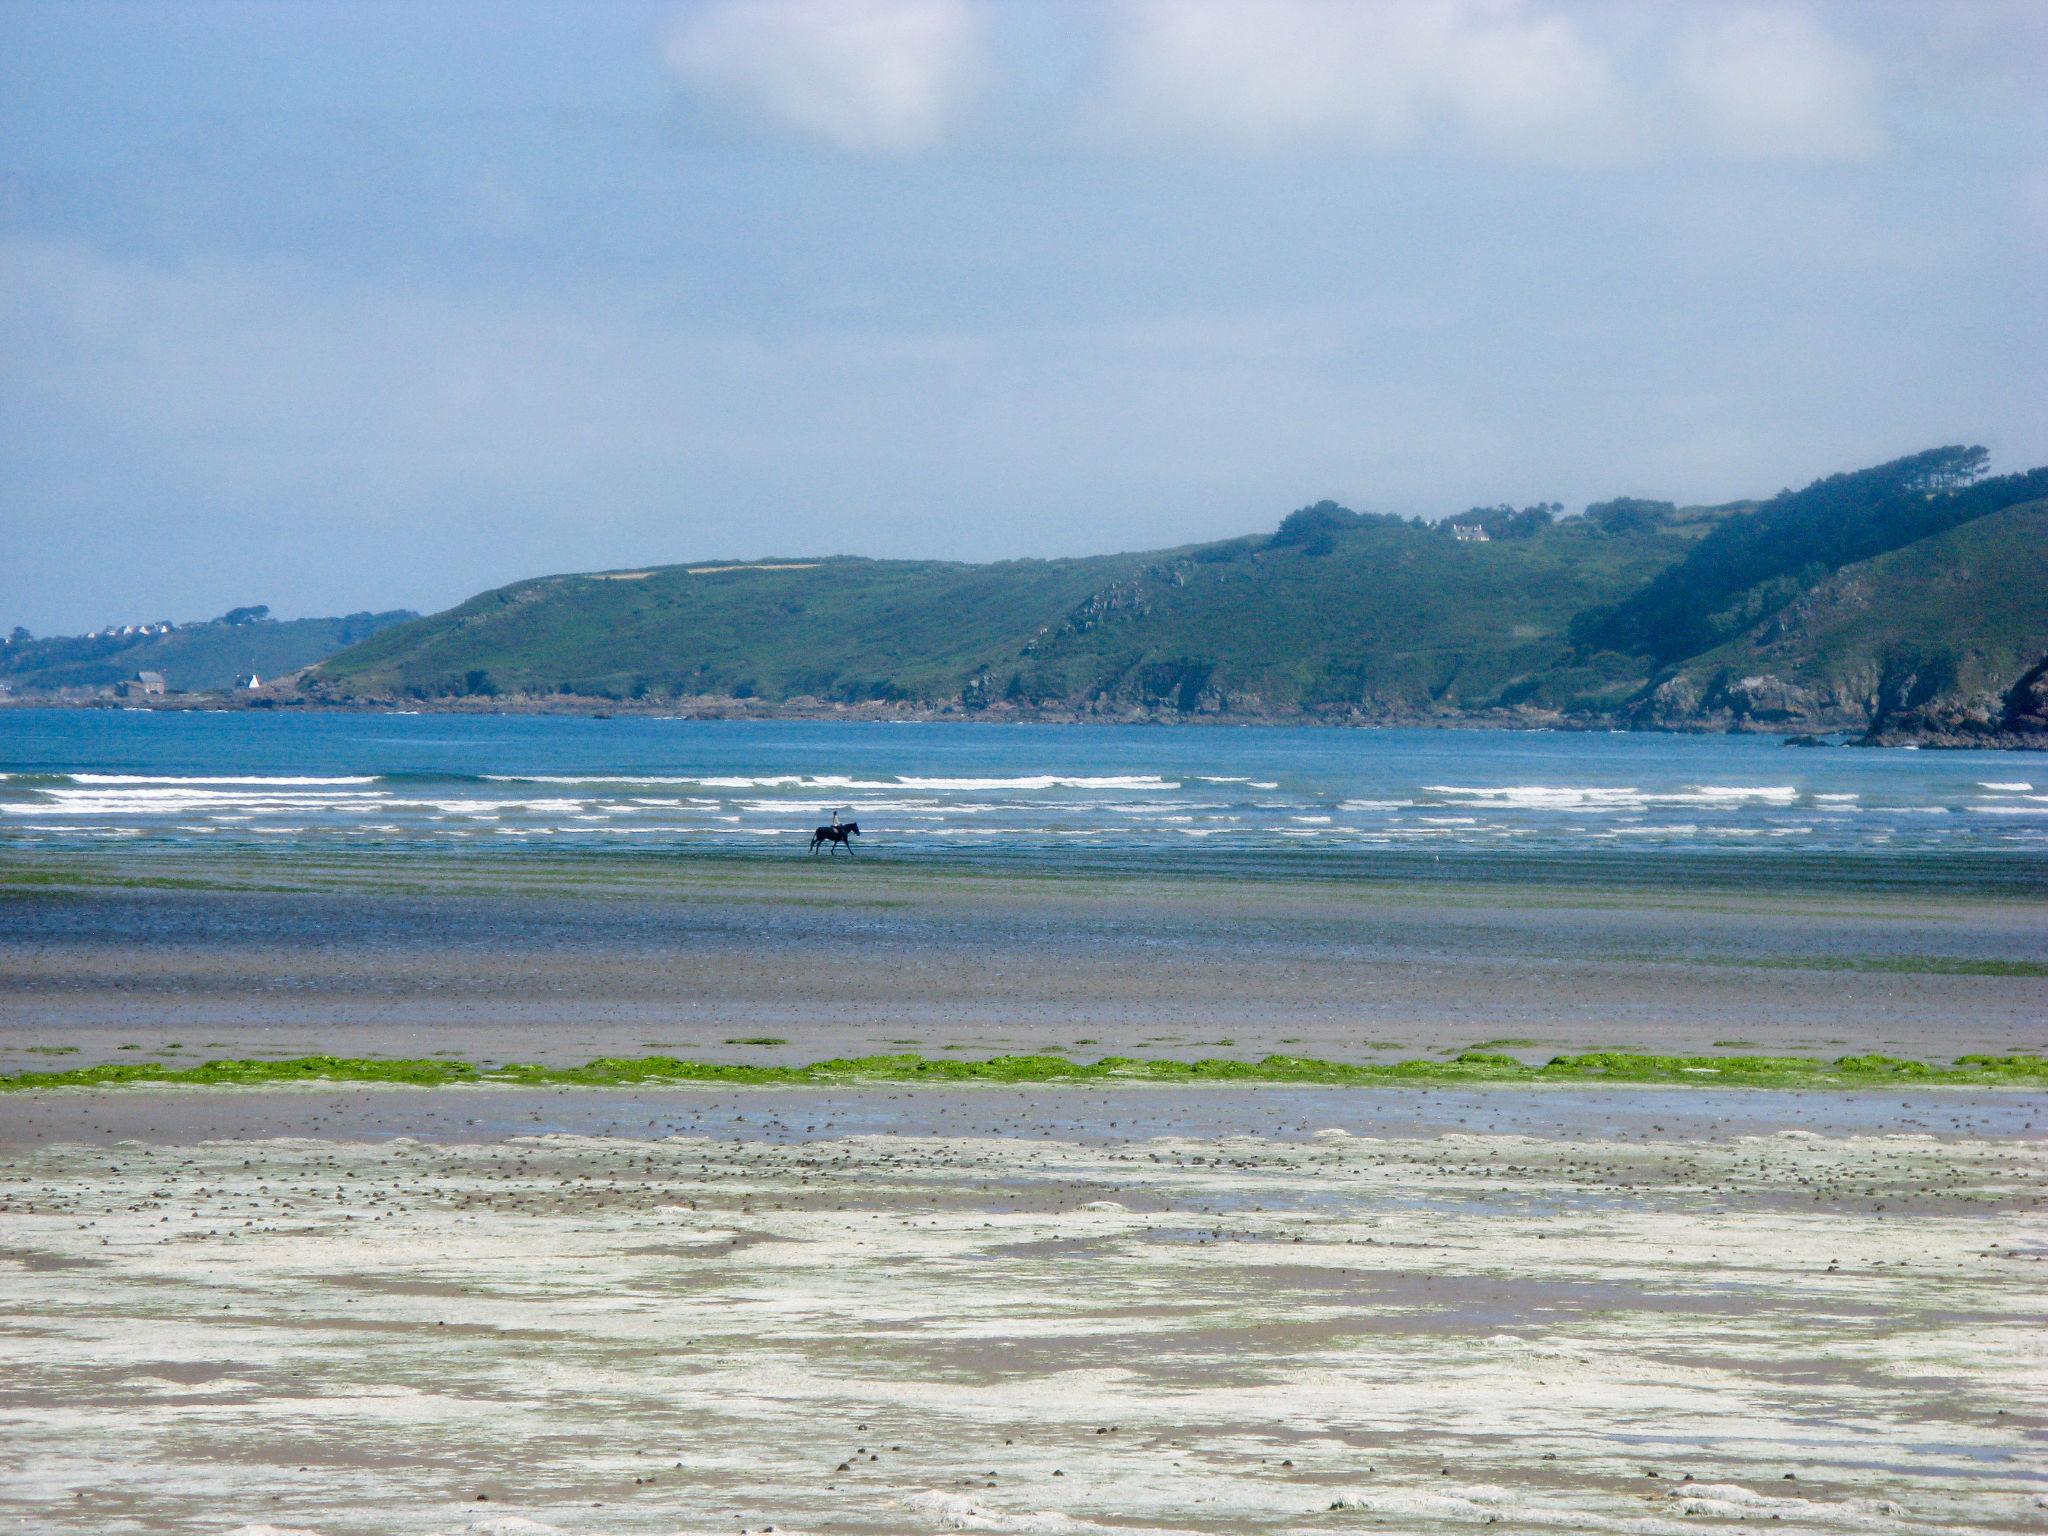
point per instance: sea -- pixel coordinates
(1306, 799)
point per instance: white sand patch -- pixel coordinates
(1209, 1335)
(951, 1512)
(1732, 1501)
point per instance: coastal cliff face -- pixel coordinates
(1942, 640)
(1900, 602)
(2018, 718)
(1886, 714)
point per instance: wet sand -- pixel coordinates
(1085, 1114)
(563, 963)
(1270, 1310)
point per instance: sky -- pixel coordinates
(355, 305)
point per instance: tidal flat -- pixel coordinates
(1078, 1309)
(180, 957)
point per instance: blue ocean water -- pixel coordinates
(95, 777)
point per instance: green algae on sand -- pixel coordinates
(1471, 1068)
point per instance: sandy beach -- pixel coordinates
(346, 1312)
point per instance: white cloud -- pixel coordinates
(1771, 84)
(1274, 74)
(873, 76)
(1538, 80)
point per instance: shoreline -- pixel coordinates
(1800, 733)
(1723, 877)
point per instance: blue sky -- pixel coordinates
(347, 306)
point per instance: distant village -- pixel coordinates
(244, 652)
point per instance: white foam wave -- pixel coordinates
(1776, 794)
(807, 808)
(176, 781)
(2010, 787)
(1043, 781)
(843, 781)
(155, 802)
(606, 778)
(1543, 797)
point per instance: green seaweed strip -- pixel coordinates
(1473, 1067)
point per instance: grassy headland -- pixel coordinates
(1897, 597)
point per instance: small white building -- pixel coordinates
(1470, 533)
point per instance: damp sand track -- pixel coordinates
(907, 1311)
(563, 960)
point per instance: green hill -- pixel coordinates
(1750, 567)
(897, 630)
(1855, 602)
(193, 658)
(1381, 617)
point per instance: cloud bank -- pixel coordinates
(887, 76)
(1765, 84)
(1269, 74)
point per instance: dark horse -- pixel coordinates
(837, 836)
